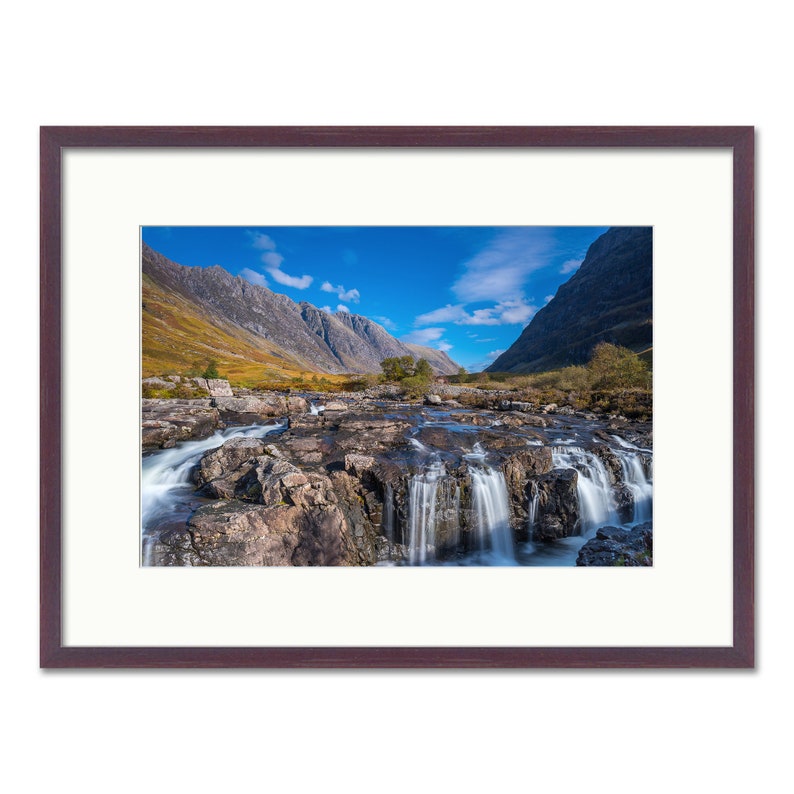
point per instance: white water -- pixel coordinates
(166, 487)
(594, 488)
(492, 516)
(422, 491)
(636, 480)
(316, 410)
(534, 501)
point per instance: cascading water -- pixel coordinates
(636, 480)
(166, 488)
(316, 410)
(491, 515)
(422, 491)
(534, 502)
(594, 489)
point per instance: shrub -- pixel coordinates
(614, 367)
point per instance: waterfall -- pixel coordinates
(166, 487)
(422, 491)
(638, 483)
(491, 513)
(594, 489)
(534, 502)
(316, 410)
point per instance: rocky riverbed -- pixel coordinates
(363, 479)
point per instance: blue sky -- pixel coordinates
(467, 290)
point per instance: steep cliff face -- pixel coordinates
(608, 299)
(194, 312)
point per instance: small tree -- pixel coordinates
(423, 370)
(211, 372)
(615, 367)
(397, 368)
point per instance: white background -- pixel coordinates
(357, 63)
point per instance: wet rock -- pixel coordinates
(616, 546)
(369, 434)
(558, 505)
(432, 399)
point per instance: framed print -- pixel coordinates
(397, 397)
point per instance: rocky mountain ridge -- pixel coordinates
(262, 323)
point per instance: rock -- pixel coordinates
(251, 405)
(358, 465)
(616, 546)
(336, 406)
(432, 399)
(236, 533)
(218, 387)
(228, 472)
(558, 505)
(550, 408)
(369, 434)
(169, 421)
(157, 383)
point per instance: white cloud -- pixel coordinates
(423, 336)
(299, 282)
(326, 309)
(443, 345)
(494, 354)
(446, 314)
(272, 259)
(481, 341)
(498, 272)
(570, 265)
(506, 312)
(342, 308)
(509, 312)
(253, 277)
(547, 299)
(262, 241)
(344, 295)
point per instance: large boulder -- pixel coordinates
(217, 387)
(228, 472)
(617, 546)
(239, 533)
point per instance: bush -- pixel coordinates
(614, 367)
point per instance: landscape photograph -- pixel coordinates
(396, 396)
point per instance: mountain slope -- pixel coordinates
(609, 298)
(193, 313)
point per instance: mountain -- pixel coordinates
(195, 314)
(609, 298)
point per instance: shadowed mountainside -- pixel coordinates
(608, 299)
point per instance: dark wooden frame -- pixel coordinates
(739, 655)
